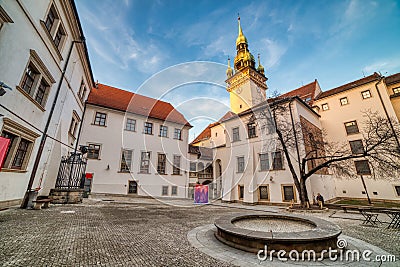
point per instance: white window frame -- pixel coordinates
(43, 74)
(366, 94)
(344, 101)
(20, 132)
(56, 26)
(128, 162)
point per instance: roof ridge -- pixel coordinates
(116, 88)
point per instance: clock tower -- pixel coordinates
(246, 84)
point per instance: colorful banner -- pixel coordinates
(4, 143)
(201, 194)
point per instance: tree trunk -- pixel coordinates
(303, 194)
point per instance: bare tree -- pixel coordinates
(376, 153)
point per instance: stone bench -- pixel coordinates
(41, 203)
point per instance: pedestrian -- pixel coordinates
(320, 200)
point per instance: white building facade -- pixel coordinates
(38, 41)
(248, 162)
(137, 145)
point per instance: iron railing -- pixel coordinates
(71, 174)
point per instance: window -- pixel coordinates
(145, 162)
(82, 92)
(50, 19)
(130, 125)
(241, 191)
(29, 78)
(41, 92)
(362, 167)
(54, 28)
(288, 193)
(192, 166)
(20, 154)
(263, 192)
(192, 170)
(148, 128)
(164, 190)
(36, 80)
(176, 169)
(161, 163)
(178, 134)
(366, 94)
(264, 162)
(126, 160)
(277, 161)
(163, 131)
(251, 129)
(93, 151)
(21, 144)
(344, 101)
(59, 37)
(397, 189)
(240, 164)
(73, 126)
(396, 90)
(174, 190)
(308, 99)
(100, 119)
(357, 147)
(235, 134)
(325, 106)
(351, 127)
(132, 187)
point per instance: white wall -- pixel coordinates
(113, 138)
(16, 40)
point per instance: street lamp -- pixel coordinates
(2, 86)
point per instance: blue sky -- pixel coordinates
(142, 46)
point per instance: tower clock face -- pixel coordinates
(239, 90)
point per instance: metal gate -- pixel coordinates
(71, 174)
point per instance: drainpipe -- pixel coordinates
(46, 128)
(386, 112)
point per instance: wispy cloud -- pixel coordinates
(118, 45)
(385, 66)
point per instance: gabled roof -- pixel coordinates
(304, 92)
(118, 99)
(395, 78)
(206, 133)
(348, 86)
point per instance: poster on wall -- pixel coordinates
(201, 194)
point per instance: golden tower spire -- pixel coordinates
(243, 56)
(229, 71)
(260, 67)
(241, 38)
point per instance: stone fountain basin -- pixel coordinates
(312, 234)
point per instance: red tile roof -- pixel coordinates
(304, 92)
(206, 133)
(395, 78)
(118, 99)
(348, 86)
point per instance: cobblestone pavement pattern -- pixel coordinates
(146, 233)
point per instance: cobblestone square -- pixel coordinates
(130, 232)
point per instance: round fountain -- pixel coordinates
(251, 232)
